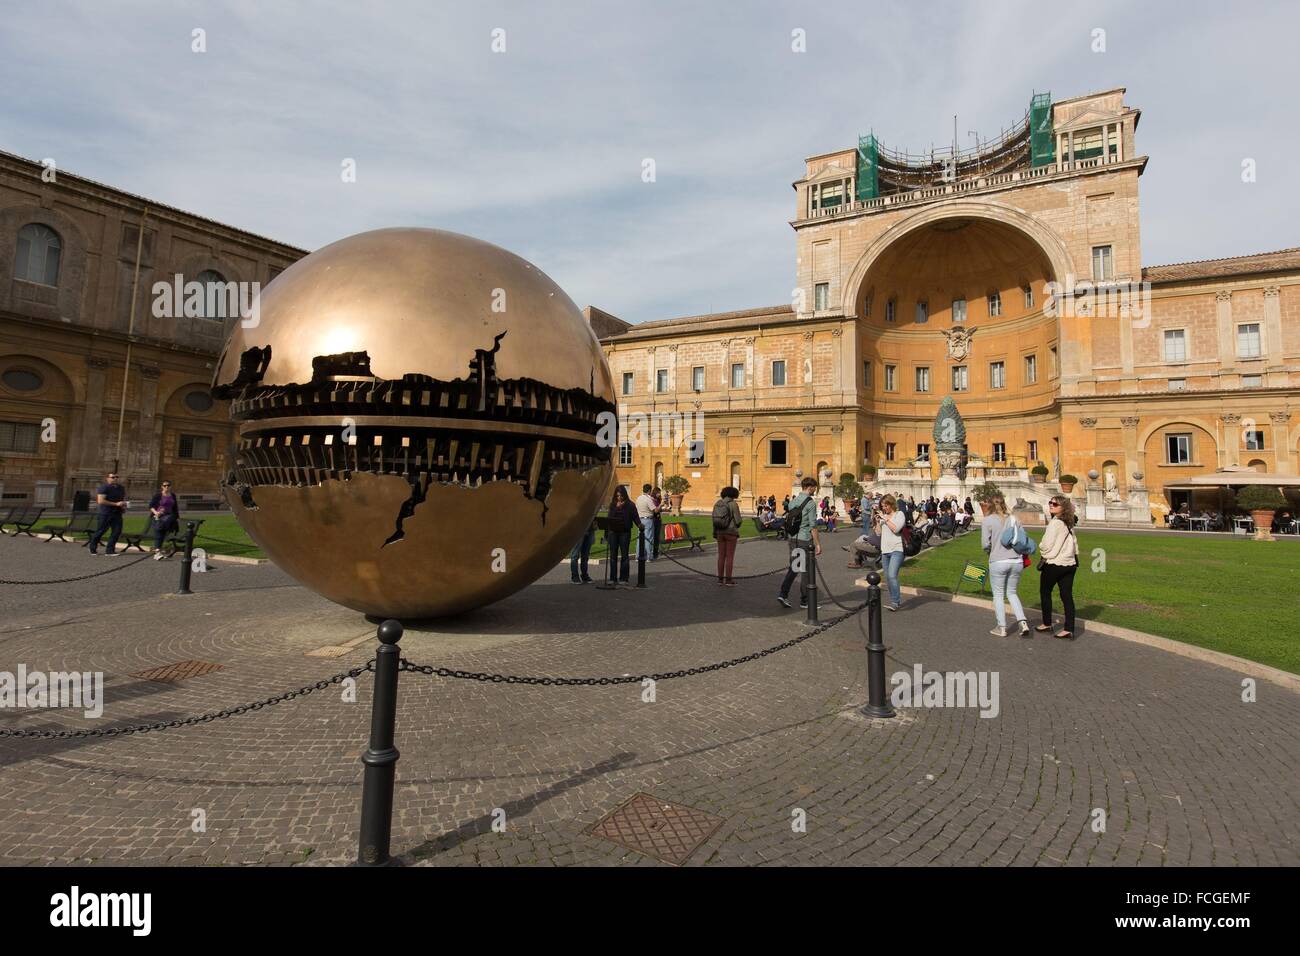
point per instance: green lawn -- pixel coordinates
(1241, 597)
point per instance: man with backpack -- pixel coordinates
(802, 536)
(726, 529)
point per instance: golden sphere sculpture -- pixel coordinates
(420, 422)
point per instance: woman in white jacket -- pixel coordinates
(1060, 559)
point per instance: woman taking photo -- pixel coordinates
(1060, 559)
(1005, 567)
(889, 525)
(622, 519)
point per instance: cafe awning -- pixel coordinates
(1234, 479)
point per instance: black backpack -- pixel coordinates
(794, 518)
(721, 516)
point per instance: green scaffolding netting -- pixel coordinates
(868, 167)
(1042, 148)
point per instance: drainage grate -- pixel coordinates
(177, 672)
(666, 831)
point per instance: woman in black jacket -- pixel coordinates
(622, 519)
(164, 513)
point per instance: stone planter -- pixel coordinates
(676, 501)
(1263, 524)
(1067, 486)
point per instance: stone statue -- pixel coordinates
(1112, 486)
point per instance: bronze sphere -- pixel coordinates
(418, 418)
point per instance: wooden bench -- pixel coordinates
(80, 522)
(173, 540)
(681, 532)
(777, 529)
(23, 520)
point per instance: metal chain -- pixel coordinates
(188, 721)
(713, 574)
(86, 577)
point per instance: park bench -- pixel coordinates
(8, 516)
(134, 536)
(173, 540)
(23, 520)
(777, 529)
(80, 522)
(678, 531)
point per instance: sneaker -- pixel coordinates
(586, 580)
(784, 600)
(730, 584)
(892, 607)
(999, 632)
(575, 580)
(111, 554)
(803, 604)
(1024, 630)
(94, 554)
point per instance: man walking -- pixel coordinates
(647, 511)
(806, 540)
(111, 498)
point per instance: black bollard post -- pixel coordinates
(187, 566)
(642, 547)
(381, 758)
(810, 579)
(877, 702)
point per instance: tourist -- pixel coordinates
(1060, 559)
(968, 508)
(785, 505)
(771, 502)
(111, 499)
(889, 525)
(806, 539)
(647, 511)
(658, 497)
(1005, 566)
(726, 530)
(945, 523)
(864, 549)
(618, 536)
(164, 512)
(580, 555)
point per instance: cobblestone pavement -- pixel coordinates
(1185, 771)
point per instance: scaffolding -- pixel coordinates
(1042, 148)
(868, 168)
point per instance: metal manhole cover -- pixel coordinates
(666, 831)
(177, 672)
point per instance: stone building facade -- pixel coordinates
(1008, 278)
(75, 259)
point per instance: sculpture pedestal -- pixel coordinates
(1095, 509)
(1139, 506)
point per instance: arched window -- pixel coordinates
(215, 303)
(39, 251)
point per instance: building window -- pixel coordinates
(198, 401)
(923, 452)
(195, 448)
(1029, 296)
(866, 452)
(866, 304)
(1252, 381)
(922, 378)
(1175, 345)
(776, 451)
(738, 375)
(891, 310)
(39, 251)
(697, 378)
(1103, 264)
(997, 374)
(1178, 385)
(627, 383)
(19, 436)
(778, 372)
(1000, 452)
(922, 313)
(1254, 441)
(22, 380)
(891, 378)
(821, 296)
(1055, 366)
(695, 451)
(217, 305)
(625, 453)
(960, 378)
(1178, 449)
(890, 450)
(959, 310)
(1248, 341)
(995, 303)
(661, 380)
(1031, 369)
(1031, 450)
(866, 373)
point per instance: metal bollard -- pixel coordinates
(380, 759)
(810, 581)
(187, 566)
(877, 701)
(641, 549)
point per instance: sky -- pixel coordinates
(540, 148)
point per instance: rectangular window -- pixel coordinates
(695, 451)
(922, 378)
(922, 313)
(995, 303)
(1178, 448)
(866, 452)
(1031, 369)
(627, 383)
(866, 373)
(778, 372)
(960, 378)
(738, 375)
(1178, 385)
(1175, 345)
(830, 195)
(625, 453)
(697, 378)
(997, 374)
(195, 447)
(890, 450)
(1000, 452)
(1252, 381)
(821, 296)
(1029, 296)
(1254, 441)
(959, 310)
(1103, 266)
(776, 451)
(1031, 450)
(1248, 341)
(1055, 366)
(923, 452)
(891, 310)
(19, 436)
(661, 380)
(891, 378)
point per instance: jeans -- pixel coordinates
(806, 546)
(893, 562)
(726, 553)
(619, 542)
(161, 528)
(648, 539)
(1004, 576)
(581, 551)
(1054, 575)
(107, 519)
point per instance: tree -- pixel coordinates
(848, 488)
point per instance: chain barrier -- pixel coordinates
(322, 684)
(86, 577)
(713, 574)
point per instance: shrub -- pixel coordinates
(984, 493)
(848, 488)
(676, 485)
(1260, 498)
(869, 470)
(1069, 480)
(1040, 469)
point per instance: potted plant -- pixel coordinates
(1039, 473)
(848, 489)
(869, 472)
(984, 494)
(1262, 501)
(1067, 483)
(675, 487)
